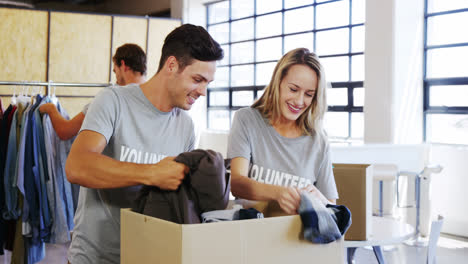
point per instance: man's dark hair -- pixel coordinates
(133, 56)
(189, 42)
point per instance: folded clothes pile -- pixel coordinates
(236, 213)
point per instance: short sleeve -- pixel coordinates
(85, 109)
(238, 140)
(325, 178)
(102, 114)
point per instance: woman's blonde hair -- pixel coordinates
(311, 121)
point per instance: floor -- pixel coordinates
(55, 254)
(450, 250)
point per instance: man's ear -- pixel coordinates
(172, 65)
(125, 67)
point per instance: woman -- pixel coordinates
(278, 146)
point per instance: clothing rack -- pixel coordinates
(49, 84)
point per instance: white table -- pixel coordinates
(385, 231)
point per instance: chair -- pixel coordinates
(384, 173)
(424, 175)
(436, 226)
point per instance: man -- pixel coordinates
(129, 64)
(129, 138)
(129, 67)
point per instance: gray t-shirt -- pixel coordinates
(137, 132)
(274, 159)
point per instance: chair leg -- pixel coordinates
(436, 226)
(378, 254)
(380, 198)
(351, 252)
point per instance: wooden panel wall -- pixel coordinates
(17, 89)
(158, 30)
(6, 92)
(74, 105)
(76, 91)
(23, 42)
(129, 30)
(79, 47)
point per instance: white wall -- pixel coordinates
(393, 107)
(378, 83)
(393, 72)
(448, 189)
(194, 12)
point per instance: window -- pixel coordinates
(446, 72)
(256, 33)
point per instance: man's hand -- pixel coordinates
(169, 174)
(47, 108)
(289, 199)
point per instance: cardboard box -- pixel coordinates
(145, 239)
(354, 184)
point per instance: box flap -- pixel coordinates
(212, 243)
(350, 166)
(354, 184)
(278, 240)
(275, 240)
(144, 237)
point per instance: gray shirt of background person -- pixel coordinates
(136, 132)
(274, 159)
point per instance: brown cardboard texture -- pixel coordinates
(146, 239)
(354, 184)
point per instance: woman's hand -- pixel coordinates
(288, 199)
(315, 192)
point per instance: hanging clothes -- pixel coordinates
(12, 211)
(5, 124)
(1, 110)
(34, 222)
(59, 189)
(14, 203)
(36, 201)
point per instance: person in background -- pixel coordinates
(130, 137)
(278, 145)
(129, 67)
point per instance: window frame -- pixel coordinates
(429, 82)
(349, 85)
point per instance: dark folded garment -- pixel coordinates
(205, 188)
(250, 213)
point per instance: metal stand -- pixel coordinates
(51, 83)
(418, 240)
